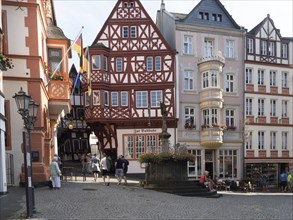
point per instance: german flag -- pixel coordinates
(78, 47)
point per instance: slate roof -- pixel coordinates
(211, 7)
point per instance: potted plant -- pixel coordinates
(5, 63)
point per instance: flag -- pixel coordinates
(78, 47)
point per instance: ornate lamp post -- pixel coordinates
(28, 109)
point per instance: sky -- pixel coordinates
(72, 15)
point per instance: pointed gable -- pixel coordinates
(210, 13)
(266, 29)
(127, 23)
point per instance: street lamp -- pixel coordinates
(28, 109)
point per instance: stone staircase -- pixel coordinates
(189, 188)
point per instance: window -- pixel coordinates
(187, 45)
(8, 115)
(205, 80)
(249, 45)
(214, 79)
(273, 78)
(263, 48)
(141, 99)
(211, 77)
(228, 164)
(114, 98)
(208, 47)
(149, 64)
(214, 17)
(188, 80)
(206, 16)
(86, 99)
(125, 32)
(261, 76)
(284, 79)
(230, 83)
(79, 113)
(284, 51)
(272, 49)
(135, 145)
(273, 140)
(194, 167)
(133, 32)
(273, 107)
(214, 115)
(284, 108)
(248, 76)
(96, 62)
(200, 15)
(158, 63)
(248, 106)
(261, 139)
(105, 63)
(261, 106)
(248, 143)
(106, 98)
(54, 58)
(96, 97)
(229, 49)
(230, 117)
(189, 116)
(156, 98)
(119, 64)
(206, 116)
(219, 18)
(124, 98)
(284, 140)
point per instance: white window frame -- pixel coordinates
(189, 116)
(206, 116)
(261, 107)
(271, 49)
(250, 45)
(263, 47)
(273, 75)
(96, 97)
(158, 63)
(188, 80)
(248, 106)
(214, 115)
(106, 98)
(187, 45)
(119, 64)
(208, 47)
(149, 64)
(285, 51)
(229, 49)
(230, 81)
(230, 117)
(214, 78)
(284, 79)
(141, 99)
(124, 98)
(284, 140)
(125, 32)
(96, 62)
(261, 140)
(156, 98)
(87, 99)
(205, 79)
(273, 103)
(248, 143)
(284, 108)
(114, 99)
(273, 135)
(105, 63)
(133, 32)
(248, 75)
(261, 77)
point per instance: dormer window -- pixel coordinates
(203, 15)
(128, 4)
(217, 17)
(284, 51)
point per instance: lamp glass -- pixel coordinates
(22, 100)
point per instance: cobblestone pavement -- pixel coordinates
(90, 200)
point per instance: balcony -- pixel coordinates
(217, 57)
(212, 97)
(211, 137)
(59, 98)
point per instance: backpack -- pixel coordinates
(95, 160)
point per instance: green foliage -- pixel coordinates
(165, 156)
(5, 62)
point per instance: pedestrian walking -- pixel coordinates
(95, 165)
(119, 169)
(125, 169)
(283, 181)
(289, 182)
(59, 160)
(55, 174)
(88, 163)
(105, 167)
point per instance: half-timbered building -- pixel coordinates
(131, 70)
(268, 102)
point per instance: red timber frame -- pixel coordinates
(131, 36)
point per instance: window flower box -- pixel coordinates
(5, 63)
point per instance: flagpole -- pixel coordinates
(65, 55)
